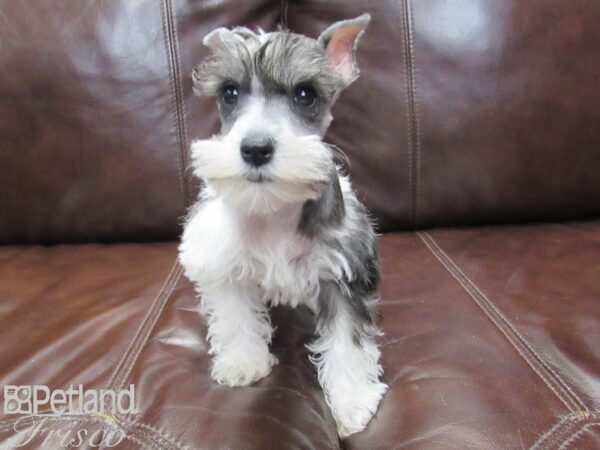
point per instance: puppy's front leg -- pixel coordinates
(347, 360)
(239, 333)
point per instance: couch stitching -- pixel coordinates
(172, 48)
(138, 441)
(153, 317)
(181, 102)
(535, 361)
(408, 114)
(121, 362)
(576, 435)
(419, 134)
(138, 437)
(158, 443)
(415, 113)
(565, 428)
(556, 430)
(411, 111)
(139, 347)
(130, 356)
(166, 435)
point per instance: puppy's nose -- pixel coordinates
(257, 151)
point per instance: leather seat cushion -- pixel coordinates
(491, 339)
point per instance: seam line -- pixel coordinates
(141, 336)
(153, 317)
(567, 443)
(172, 49)
(411, 111)
(157, 432)
(552, 380)
(556, 430)
(566, 430)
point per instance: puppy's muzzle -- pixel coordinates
(257, 150)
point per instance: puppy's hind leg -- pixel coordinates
(347, 361)
(239, 333)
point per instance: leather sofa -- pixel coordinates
(473, 136)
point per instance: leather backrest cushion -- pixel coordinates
(466, 112)
(470, 111)
(96, 114)
(86, 123)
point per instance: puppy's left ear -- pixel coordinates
(340, 41)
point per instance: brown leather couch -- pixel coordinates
(473, 137)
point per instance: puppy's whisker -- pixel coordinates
(339, 155)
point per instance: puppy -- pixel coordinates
(276, 222)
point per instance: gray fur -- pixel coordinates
(326, 211)
(326, 219)
(358, 243)
(288, 59)
(281, 62)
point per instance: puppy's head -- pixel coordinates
(274, 93)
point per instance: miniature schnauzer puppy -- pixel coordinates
(276, 222)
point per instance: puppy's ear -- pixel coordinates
(340, 41)
(218, 38)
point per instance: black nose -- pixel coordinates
(257, 151)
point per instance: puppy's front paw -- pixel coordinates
(241, 369)
(354, 407)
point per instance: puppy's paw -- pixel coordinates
(239, 369)
(354, 407)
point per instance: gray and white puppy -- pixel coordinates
(276, 222)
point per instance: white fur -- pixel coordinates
(222, 246)
(239, 332)
(242, 262)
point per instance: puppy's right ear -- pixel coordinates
(217, 38)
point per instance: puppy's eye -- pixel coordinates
(305, 95)
(230, 94)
